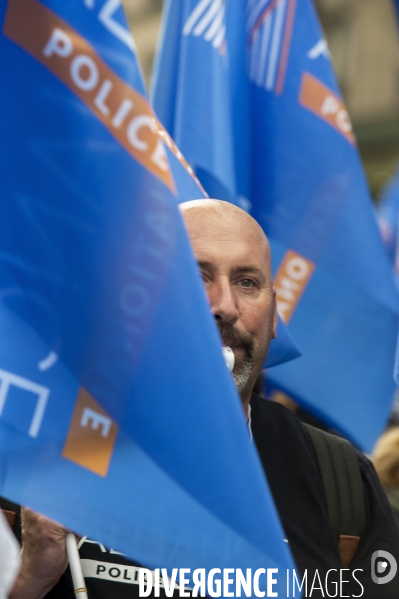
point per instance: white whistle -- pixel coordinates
(229, 358)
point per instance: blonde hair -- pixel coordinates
(386, 458)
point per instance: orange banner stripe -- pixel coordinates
(91, 436)
(290, 282)
(322, 101)
(123, 111)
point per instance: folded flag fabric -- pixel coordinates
(247, 91)
(283, 348)
(118, 417)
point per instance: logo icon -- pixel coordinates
(383, 567)
(207, 20)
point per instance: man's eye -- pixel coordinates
(246, 283)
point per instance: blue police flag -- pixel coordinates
(247, 91)
(118, 417)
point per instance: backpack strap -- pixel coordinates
(342, 481)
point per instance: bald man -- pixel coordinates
(233, 257)
(234, 260)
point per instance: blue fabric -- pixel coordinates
(248, 93)
(283, 348)
(99, 290)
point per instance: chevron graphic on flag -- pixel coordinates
(207, 20)
(269, 27)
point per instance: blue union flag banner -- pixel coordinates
(103, 317)
(247, 91)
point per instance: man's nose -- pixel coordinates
(223, 302)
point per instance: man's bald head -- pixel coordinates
(198, 214)
(233, 255)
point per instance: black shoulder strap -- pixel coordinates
(342, 480)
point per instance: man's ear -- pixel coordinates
(275, 316)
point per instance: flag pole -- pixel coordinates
(79, 584)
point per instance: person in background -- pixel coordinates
(386, 461)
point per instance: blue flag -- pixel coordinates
(247, 91)
(118, 417)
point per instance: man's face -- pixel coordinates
(233, 257)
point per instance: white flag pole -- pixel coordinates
(79, 584)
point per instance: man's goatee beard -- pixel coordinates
(232, 337)
(241, 378)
